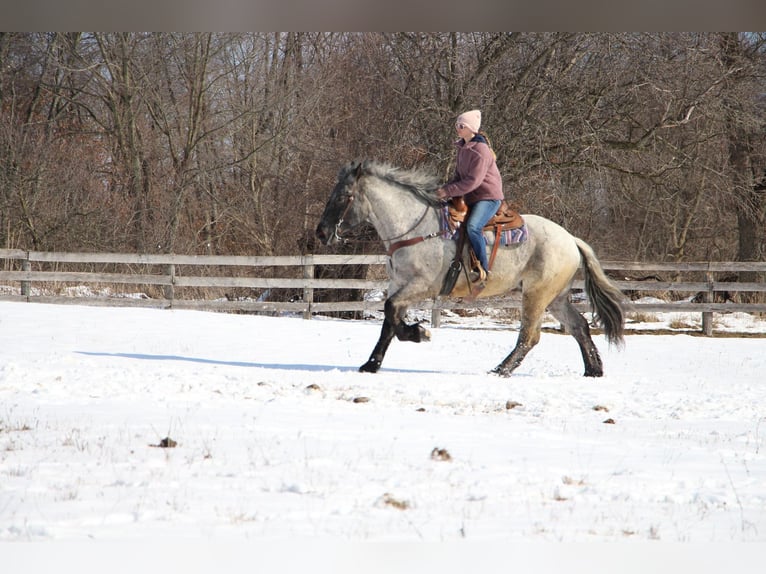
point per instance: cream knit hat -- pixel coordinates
(472, 119)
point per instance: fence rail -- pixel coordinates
(21, 269)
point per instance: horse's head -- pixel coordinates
(343, 209)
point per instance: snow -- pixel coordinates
(280, 438)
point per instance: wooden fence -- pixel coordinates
(170, 275)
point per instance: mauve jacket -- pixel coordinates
(476, 174)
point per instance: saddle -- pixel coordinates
(506, 218)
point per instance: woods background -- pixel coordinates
(649, 146)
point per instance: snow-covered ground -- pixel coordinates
(278, 436)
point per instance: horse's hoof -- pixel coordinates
(501, 372)
(593, 373)
(371, 366)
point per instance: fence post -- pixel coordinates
(436, 316)
(308, 292)
(25, 266)
(707, 316)
(170, 290)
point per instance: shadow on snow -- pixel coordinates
(284, 367)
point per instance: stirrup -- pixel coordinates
(477, 275)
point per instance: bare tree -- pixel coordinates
(649, 145)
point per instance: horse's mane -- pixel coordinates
(419, 182)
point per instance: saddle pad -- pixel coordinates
(507, 237)
(447, 231)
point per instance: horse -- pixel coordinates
(403, 207)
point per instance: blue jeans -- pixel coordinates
(481, 212)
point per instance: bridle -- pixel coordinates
(336, 231)
(396, 245)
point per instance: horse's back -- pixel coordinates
(552, 249)
(549, 237)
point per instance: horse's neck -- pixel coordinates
(398, 214)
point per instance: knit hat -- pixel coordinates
(472, 119)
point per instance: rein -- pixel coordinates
(412, 240)
(407, 242)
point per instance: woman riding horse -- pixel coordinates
(407, 214)
(477, 179)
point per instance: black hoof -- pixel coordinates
(371, 366)
(501, 371)
(593, 373)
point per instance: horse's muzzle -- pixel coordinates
(322, 236)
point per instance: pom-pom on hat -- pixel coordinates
(471, 118)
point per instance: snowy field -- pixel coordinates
(122, 424)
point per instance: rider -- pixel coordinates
(477, 178)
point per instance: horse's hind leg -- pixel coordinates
(529, 335)
(577, 326)
(393, 325)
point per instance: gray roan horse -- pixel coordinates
(402, 207)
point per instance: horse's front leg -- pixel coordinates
(396, 310)
(394, 325)
(386, 336)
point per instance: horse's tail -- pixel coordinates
(605, 298)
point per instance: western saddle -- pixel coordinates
(506, 218)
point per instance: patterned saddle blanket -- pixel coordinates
(507, 226)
